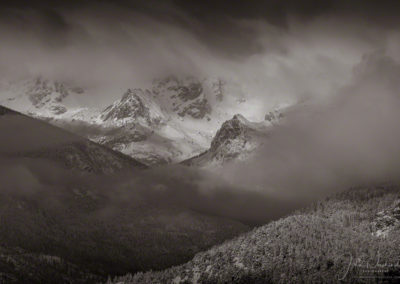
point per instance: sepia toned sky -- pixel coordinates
(273, 48)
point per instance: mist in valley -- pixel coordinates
(336, 71)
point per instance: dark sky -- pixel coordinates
(212, 21)
(213, 13)
(208, 10)
(134, 41)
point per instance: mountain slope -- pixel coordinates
(332, 241)
(20, 266)
(27, 137)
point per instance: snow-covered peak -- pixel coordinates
(129, 106)
(135, 106)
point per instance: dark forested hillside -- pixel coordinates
(71, 210)
(351, 237)
(25, 137)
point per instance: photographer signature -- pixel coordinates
(368, 266)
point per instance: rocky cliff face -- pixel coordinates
(185, 97)
(236, 128)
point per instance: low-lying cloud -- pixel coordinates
(351, 139)
(175, 188)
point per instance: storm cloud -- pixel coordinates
(336, 61)
(276, 50)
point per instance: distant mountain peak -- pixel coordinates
(132, 94)
(230, 130)
(235, 140)
(131, 105)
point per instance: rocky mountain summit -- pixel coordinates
(132, 107)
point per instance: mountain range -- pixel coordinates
(172, 121)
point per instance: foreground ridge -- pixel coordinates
(311, 245)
